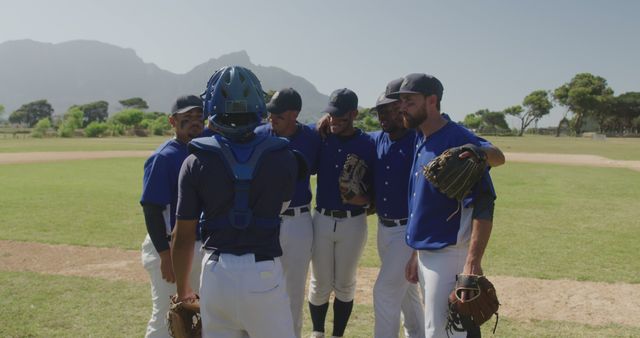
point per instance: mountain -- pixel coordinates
(78, 72)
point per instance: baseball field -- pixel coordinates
(563, 253)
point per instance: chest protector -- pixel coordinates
(242, 161)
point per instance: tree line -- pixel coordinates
(91, 119)
(588, 100)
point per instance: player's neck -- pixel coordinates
(290, 131)
(347, 132)
(184, 139)
(432, 124)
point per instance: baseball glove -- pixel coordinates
(351, 178)
(183, 318)
(480, 303)
(455, 176)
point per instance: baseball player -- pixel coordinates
(296, 231)
(446, 245)
(392, 293)
(241, 182)
(159, 197)
(339, 229)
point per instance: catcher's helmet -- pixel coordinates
(234, 101)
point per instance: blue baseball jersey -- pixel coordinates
(160, 180)
(428, 228)
(333, 153)
(306, 141)
(391, 173)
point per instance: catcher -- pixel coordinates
(451, 208)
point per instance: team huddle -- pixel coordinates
(232, 232)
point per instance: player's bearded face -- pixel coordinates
(188, 125)
(414, 109)
(390, 117)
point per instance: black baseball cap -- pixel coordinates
(284, 100)
(341, 102)
(392, 87)
(418, 83)
(185, 103)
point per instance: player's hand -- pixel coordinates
(166, 266)
(186, 295)
(411, 269)
(322, 126)
(470, 269)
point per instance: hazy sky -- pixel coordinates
(488, 54)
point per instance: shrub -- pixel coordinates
(41, 128)
(160, 125)
(96, 129)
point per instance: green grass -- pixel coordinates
(551, 329)
(39, 305)
(92, 203)
(555, 221)
(613, 148)
(10, 145)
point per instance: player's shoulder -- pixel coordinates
(309, 129)
(455, 133)
(168, 148)
(366, 139)
(263, 129)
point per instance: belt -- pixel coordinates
(295, 211)
(340, 213)
(258, 257)
(390, 223)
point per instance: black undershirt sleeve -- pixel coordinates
(156, 226)
(483, 205)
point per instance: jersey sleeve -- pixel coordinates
(189, 203)
(291, 177)
(316, 143)
(156, 181)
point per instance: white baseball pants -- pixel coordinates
(392, 293)
(338, 244)
(437, 273)
(161, 290)
(296, 238)
(243, 298)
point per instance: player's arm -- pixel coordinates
(155, 200)
(184, 236)
(184, 233)
(495, 157)
(411, 269)
(322, 126)
(155, 222)
(481, 226)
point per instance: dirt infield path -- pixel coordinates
(568, 159)
(571, 159)
(522, 298)
(9, 158)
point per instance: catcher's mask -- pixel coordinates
(234, 101)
